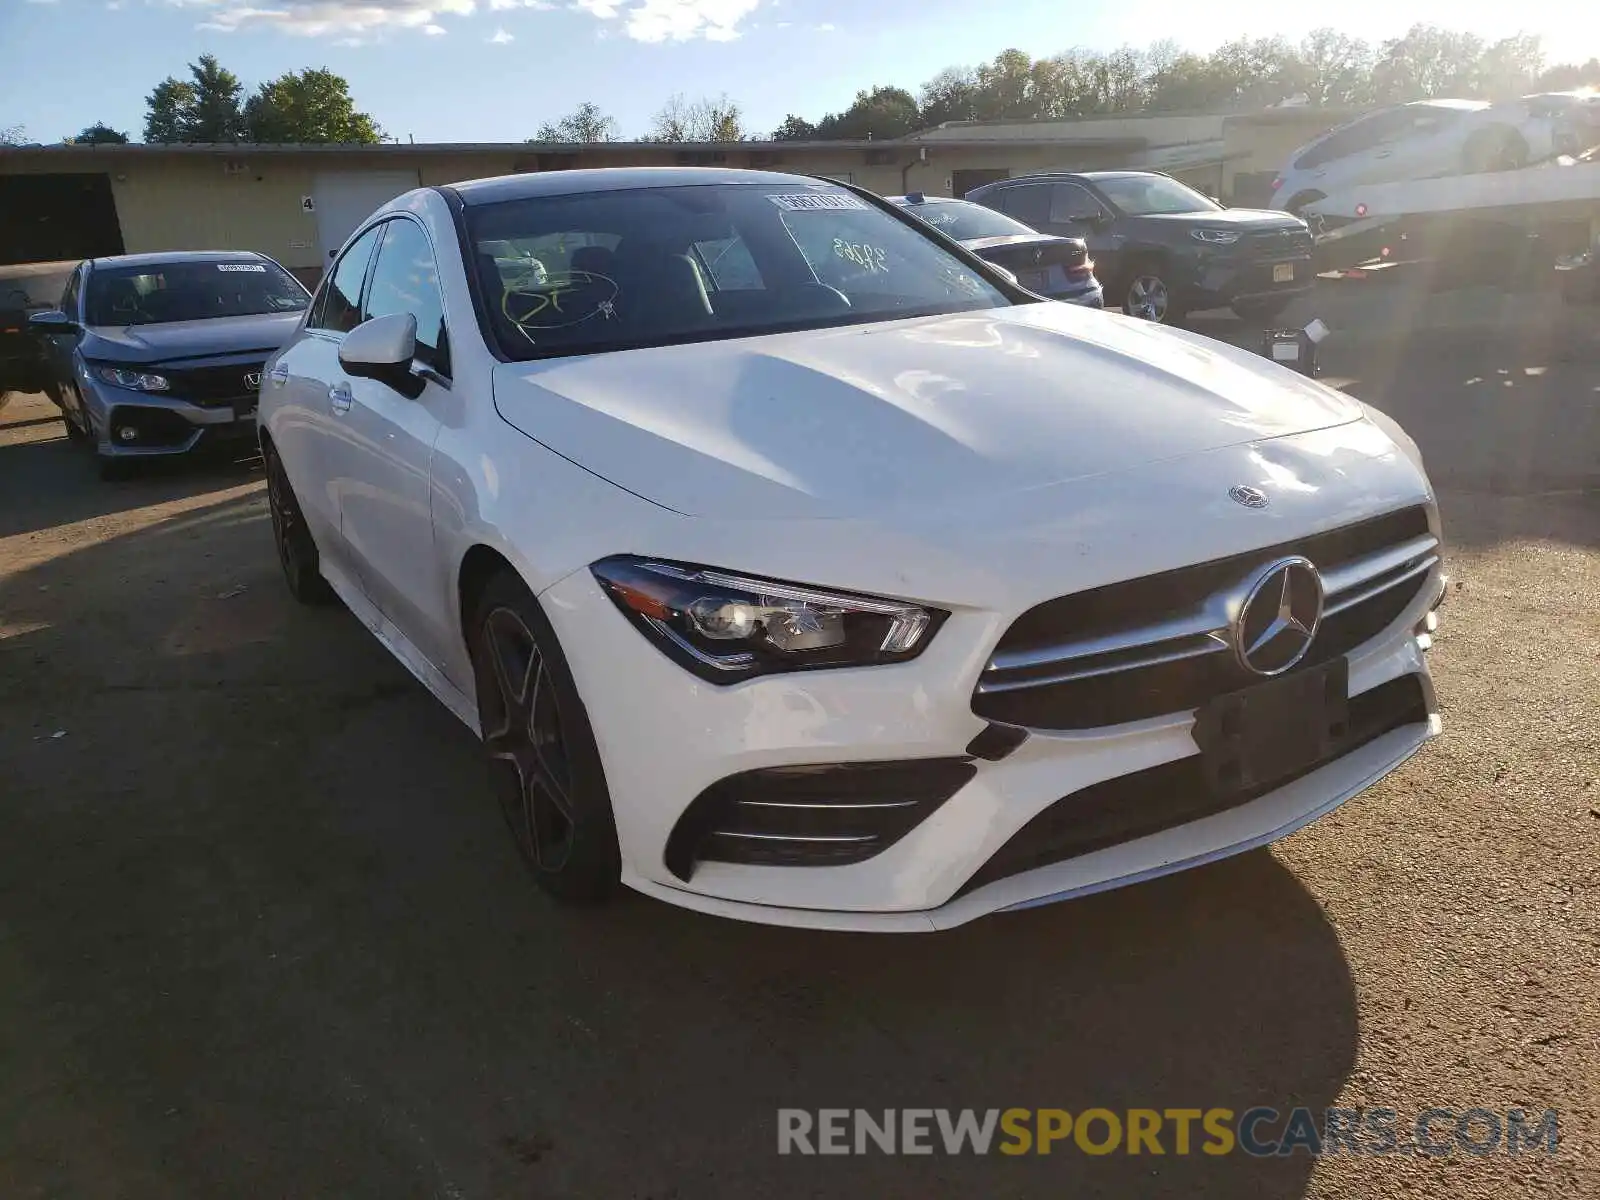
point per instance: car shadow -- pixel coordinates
(48, 481)
(269, 937)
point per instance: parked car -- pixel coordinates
(1161, 249)
(1057, 267)
(155, 355)
(25, 289)
(1427, 139)
(873, 593)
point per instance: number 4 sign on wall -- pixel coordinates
(308, 204)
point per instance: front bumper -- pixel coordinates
(1224, 282)
(666, 737)
(163, 426)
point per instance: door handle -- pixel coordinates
(341, 397)
(279, 374)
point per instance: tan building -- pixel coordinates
(298, 203)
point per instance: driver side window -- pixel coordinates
(1028, 203)
(338, 305)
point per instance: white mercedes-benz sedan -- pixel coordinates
(795, 565)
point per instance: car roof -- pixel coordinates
(1463, 105)
(163, 258)
(905, 200)
(612, 179)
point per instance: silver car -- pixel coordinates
(1428, 139)
(157, 355)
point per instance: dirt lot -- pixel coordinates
(261, 933)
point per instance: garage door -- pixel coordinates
(347, 198)
(57, 216)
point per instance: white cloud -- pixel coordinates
(826, 27)
(435, 30)
(681, 20)
(506, 5)
(604, 9)
(319, 18)
(501, 37)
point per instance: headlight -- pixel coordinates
(136, 381)
(1214, 237)
(726, 627)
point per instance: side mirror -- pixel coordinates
(52, 321)
(383, 349)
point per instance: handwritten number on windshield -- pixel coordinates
(869, 258)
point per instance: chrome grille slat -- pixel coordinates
(828, 807)
(793, 837)
(1199, 633)
(1380, 585)
(1342, 578)
(1211, 644)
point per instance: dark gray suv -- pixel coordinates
(1160, 248)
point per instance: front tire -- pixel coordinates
(1148, 295)
(297, 551)
(544, 763)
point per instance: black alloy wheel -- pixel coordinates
(545, 766)
(297, 551)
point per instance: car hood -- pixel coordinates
(920, 414)
(175, 340)
(1228, 218)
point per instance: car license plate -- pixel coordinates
(1283, 273)
(1253, 738)
(1032, 280)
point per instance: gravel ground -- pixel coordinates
(261, 933)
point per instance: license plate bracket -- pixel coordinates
(244, 408)
(1283, 273)
(1255, 737)
(1032, 280)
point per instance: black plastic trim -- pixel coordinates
(751, 817)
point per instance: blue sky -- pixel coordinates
(493, 70)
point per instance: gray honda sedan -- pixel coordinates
(156, 355)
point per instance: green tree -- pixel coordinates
(13, 135)
(1510, 68)
(794, 129)
(167, 109)
(98, 134)
(310, 106)
(1567, 76)
(883, 112)
(1339, 68)
(1427, 61)
(951, 95)
(586, 123)
(203, 108)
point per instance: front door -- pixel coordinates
(306, 375)
(1077, 212)
(384, 473)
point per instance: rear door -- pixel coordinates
(300, 387)
(383, 472)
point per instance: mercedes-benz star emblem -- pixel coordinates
(1279, 617)
(253, 379)
(1250, 497)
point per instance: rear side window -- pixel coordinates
(406, 280)
(1029, 204)
(1068, 201)
(338, 308)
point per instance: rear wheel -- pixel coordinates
(545, 766)
(297, 551)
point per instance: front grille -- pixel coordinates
(213, 387)
(1175, 793)
(824, 815)
(1279, 242)
(1158, 645)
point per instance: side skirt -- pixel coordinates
(463, 706)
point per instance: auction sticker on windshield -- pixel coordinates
(817, 201)
(253, 268)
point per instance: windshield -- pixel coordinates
(190, 291)
(1150, 195)
(966, 222)
(651, 266)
